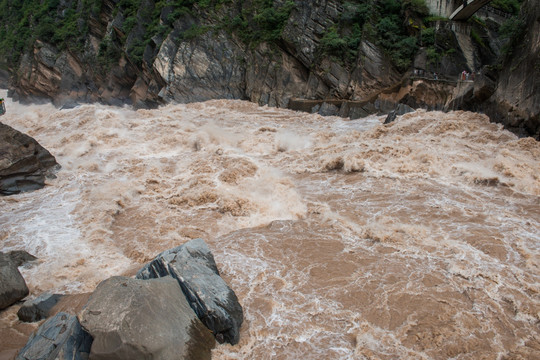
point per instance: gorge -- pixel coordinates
(364, 174)
(147, 53)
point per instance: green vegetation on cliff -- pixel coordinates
(24, 22)
(398, 27)
(509, 6)
(395, 25)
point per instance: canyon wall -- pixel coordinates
(205, 55)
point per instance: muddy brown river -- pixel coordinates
(343, 239)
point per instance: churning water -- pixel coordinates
(342, 239)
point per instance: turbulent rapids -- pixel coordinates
(342, 239)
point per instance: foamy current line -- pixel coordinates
(342, 239)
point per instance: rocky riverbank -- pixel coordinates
(176, 307)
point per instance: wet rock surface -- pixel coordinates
(38, 308)
(12, 285)
(60, 337)
(193, 265)
(24, 163)
(144, 319)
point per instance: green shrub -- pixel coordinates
(419, 7)
(512, 31)
(428, 37)
(509, 6)
(477, 38)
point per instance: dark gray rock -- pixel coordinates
(60, 337)
(485, 85)
(24, 163)
(327, 109)
(38, 308)
(390, 117)
(144, 319)
(401, 109)
(200, 70)
(20, 257)
(12, 285)
(193, 265)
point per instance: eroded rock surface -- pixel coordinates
(12, 285)
(215, 303)
(61, 337)
(144, 319)
(38, 308)
(24, 163)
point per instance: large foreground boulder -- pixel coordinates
(144, 319)
(193, 265)
(24, 163)
(61, 337)
(12, 285)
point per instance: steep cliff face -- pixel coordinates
(509, 92)
(147, 52)
(516, 101)
(213, 64)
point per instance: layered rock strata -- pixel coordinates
(24, 163)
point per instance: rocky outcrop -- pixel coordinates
(38, 308)
(214, 64)
(144, 319)
(200, 70)
(516, 101)
(193, 266)
(24, 163)
(12, 285)
(61, 337)
(48, 73)
(203, 54)
(400, 109)
(511, 95)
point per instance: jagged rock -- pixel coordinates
(391, 117)
(20, 257)
(199, 71)
(144, 319)
(327, 109)
(24, 163)
(516, 101)
(38, 308)
(59, 338)
(193, 265)
(484, 86)
(401, 109)
(12, 285)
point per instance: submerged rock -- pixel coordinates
(193, 265)
(24, 163)
(144, 319)
(60, 337)
(12, 285)
(38, 308)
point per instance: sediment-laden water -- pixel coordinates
(342, 239)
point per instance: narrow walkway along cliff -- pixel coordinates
(364, 53)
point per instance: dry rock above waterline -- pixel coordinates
(144, 319)
(214, 302)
